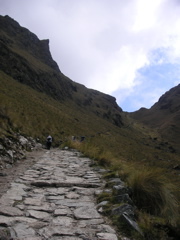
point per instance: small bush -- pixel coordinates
(154, 193)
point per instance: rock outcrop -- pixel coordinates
(28, 60)
(124, 209)
(26, 40)
(14, 148)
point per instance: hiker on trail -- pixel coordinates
(48, 142)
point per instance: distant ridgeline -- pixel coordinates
(142, 148)
(26, 59)
(164, 116)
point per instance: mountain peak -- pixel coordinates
(32, 64)
(25, 40)
(170, 100)
(164, 115)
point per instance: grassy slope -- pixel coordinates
(164, 116)
(130, 150)
(36, 114)
(134, 151)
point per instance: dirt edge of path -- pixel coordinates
(8, 175)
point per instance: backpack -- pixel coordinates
(49, 139)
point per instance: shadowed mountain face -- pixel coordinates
(36, 100)
(164, 116)
(28, 60)
(21, 39)
(35, 93)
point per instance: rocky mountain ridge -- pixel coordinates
(164, 116)
(28, 60)
(13, 33)
(36, 100)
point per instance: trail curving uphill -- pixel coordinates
(53, 198)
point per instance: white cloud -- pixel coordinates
(103, 43)
(146, 14)
(119, 70)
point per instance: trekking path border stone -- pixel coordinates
(54, 200)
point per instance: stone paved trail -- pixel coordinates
(54, 200)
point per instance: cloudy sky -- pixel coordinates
(129, 49)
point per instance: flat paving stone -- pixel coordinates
(33, 201)
(63, 221)
(51, 231)
(106, 236)
(91, 222)
(47, 207)
(8, 221)
(55, 197)
(56, 191)
(63, 211)
(107, 228)
(73, 203)
(25, 219)
(10, 211)
(22, 231)
(72, 195)
(86, 213)
(84, 191)
(55, 200)
(38, 214)
(66, 238)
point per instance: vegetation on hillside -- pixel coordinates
(131, 151)
(164, 116)
(155, 191)
(36, 99)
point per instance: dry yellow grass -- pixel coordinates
(128, 151)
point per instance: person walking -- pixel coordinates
(49, 142)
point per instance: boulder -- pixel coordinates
(14, 148)
(123, 198)
(23, 141)
(10, 154)
(126, 214)
(130, 222)
(121, 189)
(124, 208)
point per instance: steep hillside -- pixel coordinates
(28, 60)
(36, 99)
(164, 116)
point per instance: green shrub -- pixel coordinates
(154, 193)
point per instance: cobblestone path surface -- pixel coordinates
(54, 200)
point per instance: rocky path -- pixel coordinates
(54, 200)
